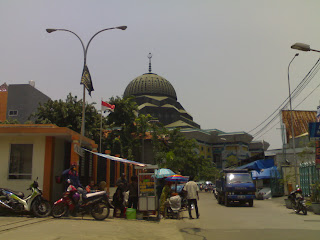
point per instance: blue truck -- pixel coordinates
(235, 186)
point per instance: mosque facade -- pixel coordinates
(156, 96)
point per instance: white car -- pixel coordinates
(263, 193)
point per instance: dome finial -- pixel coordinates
(149, 56)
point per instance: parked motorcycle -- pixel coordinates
(298, 202)
(13, 201)
(95, 203)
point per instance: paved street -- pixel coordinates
(268, 219)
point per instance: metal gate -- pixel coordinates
(308, 176)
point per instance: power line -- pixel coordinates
(306, 80)
(294, 108)
(295, 93)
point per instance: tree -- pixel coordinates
(10, 121)
(68, 114)
(232, 161)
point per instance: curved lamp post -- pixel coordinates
(85, 51)
(292, 129)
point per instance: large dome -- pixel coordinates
(150, 84)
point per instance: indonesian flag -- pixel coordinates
(106, 106)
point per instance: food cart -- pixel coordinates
(147, 189)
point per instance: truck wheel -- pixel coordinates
(219, 199)
(226, 201)
(250, 203)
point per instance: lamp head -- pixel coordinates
(297, 54)
(301, 47)
(122, 27)
(50, 30)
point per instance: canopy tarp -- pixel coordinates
(266, 173)
(117, 158)
(258, 165)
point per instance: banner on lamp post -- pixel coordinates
(86, 79)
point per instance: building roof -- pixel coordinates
(301, 120)
(179, 123)
(150, 84)
(42, 130)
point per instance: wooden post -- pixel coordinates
(48, 168)
(108, 170)
(94, 164)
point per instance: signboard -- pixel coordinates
(147, 185)
(78, 150)
(314, 130)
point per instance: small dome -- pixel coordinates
(150, 84)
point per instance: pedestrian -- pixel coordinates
(122, 183)
(192, 195)
(133, 192)
(72, 174)
(118, 202)
(166, 193)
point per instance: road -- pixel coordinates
(268, 219)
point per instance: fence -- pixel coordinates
(308, 175)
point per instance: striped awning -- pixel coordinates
(117, 158)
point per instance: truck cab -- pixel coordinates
(235, 186)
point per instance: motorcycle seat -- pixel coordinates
(18, 194)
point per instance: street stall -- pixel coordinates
(147, 189)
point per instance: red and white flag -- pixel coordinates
(106, 106)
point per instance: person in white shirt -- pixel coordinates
(192, 195)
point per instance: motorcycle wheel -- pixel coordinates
(296, 209)
(59, 210)
(100, 211)
(41, 208)
(304, 210)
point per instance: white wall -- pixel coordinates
(37, 162)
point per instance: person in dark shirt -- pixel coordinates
(72, 174)
(133, 193)
(122, 183)
(118, 202)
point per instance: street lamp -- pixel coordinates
(85, 51)
(303, 47)
(292, 129)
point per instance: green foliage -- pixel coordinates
(10, 121)
(307, 153)
(315, 192)
(68, 114)
(232, 161)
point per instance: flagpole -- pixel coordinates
(100, 125)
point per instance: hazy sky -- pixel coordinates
(227, 60)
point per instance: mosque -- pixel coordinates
(156, 96)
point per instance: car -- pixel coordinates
(263, 193)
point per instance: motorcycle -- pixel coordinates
(13, 201)
(298, 201)
(95, 203)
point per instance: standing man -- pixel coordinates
(192, 195)
(122, 183)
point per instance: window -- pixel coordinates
(20, 166)
(13, 113)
